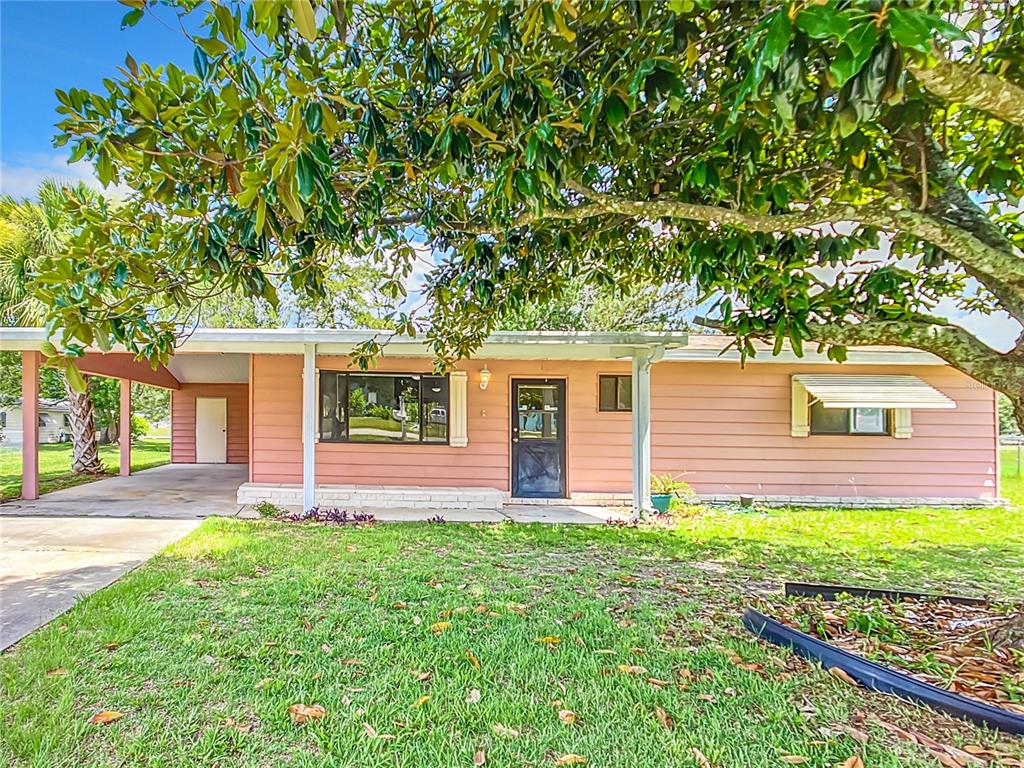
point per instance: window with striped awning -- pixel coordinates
(875, 404)
(881, 391)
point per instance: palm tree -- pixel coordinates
(29, 232)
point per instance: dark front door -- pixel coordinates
(538, 438)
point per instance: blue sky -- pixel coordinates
(45, 45)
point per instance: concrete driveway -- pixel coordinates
(49, 562)
(72, 542)
(171, 491)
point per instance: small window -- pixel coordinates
(616, 393)
(3, 419)
(849, 421)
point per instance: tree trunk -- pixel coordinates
(85, 450)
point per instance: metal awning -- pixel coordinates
(842, 391)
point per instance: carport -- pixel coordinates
(209, 413)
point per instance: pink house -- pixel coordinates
(583, 417)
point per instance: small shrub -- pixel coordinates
(140, 427)
(436, 519)
(266, 509)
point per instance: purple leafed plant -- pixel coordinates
(436, 519)
(330, 515)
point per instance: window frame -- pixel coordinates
(618, 378)
(419, 376)
(887, 423)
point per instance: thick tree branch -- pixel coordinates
(960, 244)
(963, 83)
(956, 346)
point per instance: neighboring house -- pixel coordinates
(52, 417)
(585, 417)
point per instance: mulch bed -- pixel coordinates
(937, 642)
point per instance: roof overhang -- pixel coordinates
(883, 391)
(512, 345)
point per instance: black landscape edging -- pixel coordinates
(878, 677)
(829, 592)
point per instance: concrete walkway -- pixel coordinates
(173, 491)
(49, 562)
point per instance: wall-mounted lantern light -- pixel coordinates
(485, 377)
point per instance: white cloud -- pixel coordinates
(21, 176)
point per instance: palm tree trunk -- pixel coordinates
(85, 450)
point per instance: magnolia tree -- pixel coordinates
(826, 172)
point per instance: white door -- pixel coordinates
(211, 430)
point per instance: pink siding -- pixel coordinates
(727, 427)
(183, 420)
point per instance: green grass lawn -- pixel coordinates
(55, 465)
(427, 644)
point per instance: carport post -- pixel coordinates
(643, 358)
(309, 410)
(30, 425)
(125, 431)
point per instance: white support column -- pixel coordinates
(309, 412)
(643, 358)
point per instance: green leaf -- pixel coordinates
(822, 22)
(853, 54)
(910, 29)
(48, 349)
(132, 18)
(287, 195)
(313, 116)
(144, 105)
(75, 379)
(212, 46)
(777, 40)
(615, 110)
(305, 19)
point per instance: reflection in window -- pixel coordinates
(616, 393)
(848, 421)
(383, 408)
(538, 411)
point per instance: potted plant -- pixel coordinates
(666, 487)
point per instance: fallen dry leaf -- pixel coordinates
(567, 716)
(106, 716)
(852, 762)
(58, 672)
(842, 674)
(549, 639)
(504, 731)
(300, 713)
(632, 669)
(570, 759)
(473, 659)
(795, 759)
(421, 701)
(662, 717)
(473, 696)
(701, 758)
(440, 626)
(479, 757)
(369, 730)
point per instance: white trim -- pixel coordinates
(309, 419)
(641, 422)
(513, 345)
(458, 407)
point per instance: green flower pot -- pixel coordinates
(661, 501)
